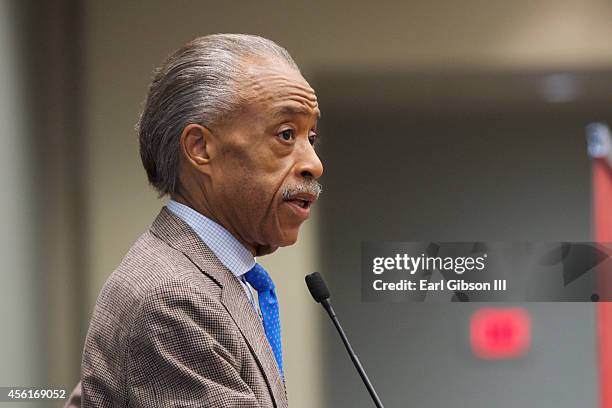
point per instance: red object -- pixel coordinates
(500, 333)
(602, 208)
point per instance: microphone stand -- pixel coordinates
(330, 310)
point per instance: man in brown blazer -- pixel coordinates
(228, 132)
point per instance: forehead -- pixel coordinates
(280, 88)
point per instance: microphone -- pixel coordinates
(319, 291)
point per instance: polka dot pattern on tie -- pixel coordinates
(259, 279)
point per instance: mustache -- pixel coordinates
(310, 187)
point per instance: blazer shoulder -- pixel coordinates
(150, 264)
(152, 277)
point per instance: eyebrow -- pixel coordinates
(292, 110)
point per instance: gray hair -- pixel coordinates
(199, 83)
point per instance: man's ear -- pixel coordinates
(196, 146)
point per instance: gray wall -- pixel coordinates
(19, 345)
(468, 169)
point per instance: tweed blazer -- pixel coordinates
(173, 327)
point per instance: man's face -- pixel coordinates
(264, 166)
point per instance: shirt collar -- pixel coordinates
(224, 245)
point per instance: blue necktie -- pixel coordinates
(261, 281)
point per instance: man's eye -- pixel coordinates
(286, 135)
(312, 139)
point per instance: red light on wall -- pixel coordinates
(500, 333)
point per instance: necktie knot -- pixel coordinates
(259, 279)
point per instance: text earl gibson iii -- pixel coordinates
(451, 284)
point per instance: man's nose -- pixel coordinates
(309, 165)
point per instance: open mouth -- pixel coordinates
(300, 206)
(301, 200)
(300, 203)
(303, 203)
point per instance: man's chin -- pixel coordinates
(288, 238)
(262, 250)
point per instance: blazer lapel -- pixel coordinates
(176, 233)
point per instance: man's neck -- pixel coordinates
(256, 250)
